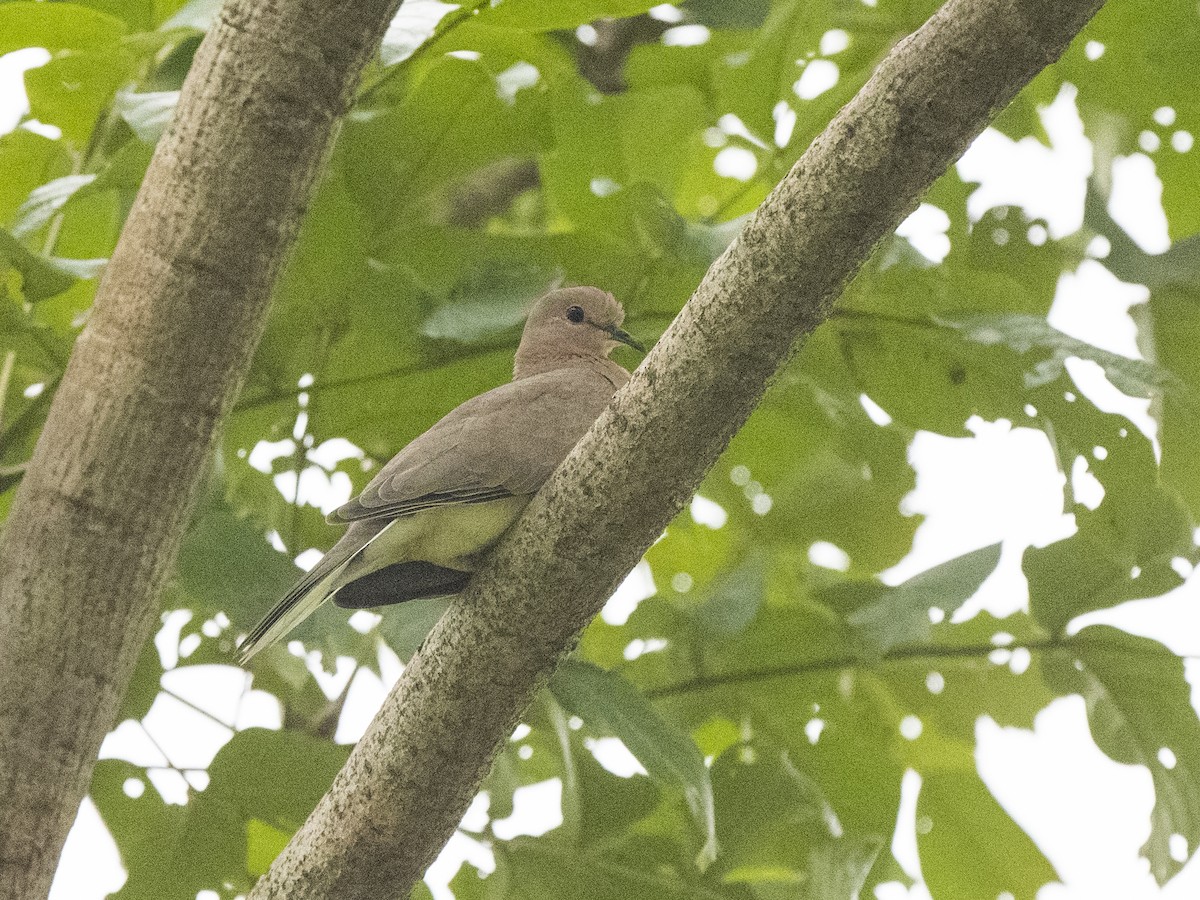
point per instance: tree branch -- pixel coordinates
(100, 513)
(411, 777)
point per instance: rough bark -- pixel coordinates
(98, 519)
(408, 782)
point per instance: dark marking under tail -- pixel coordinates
(400, 582)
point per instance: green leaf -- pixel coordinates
(263, 784)
(226, 564)
(533, 15)
(452, 122)
(729, 13)
(1139, 703)
(27, 160)
(1130, 546)
(74, 90)
(839, 869)
(1027, 334)
(148, 114)
(56, 26)
(43, 202)
(1121, 88)
(606, 700)
(491, 299)
(264, 842)
(776, 829)
(970, 849)
(896, 616)
(41, 277)
(650, 868)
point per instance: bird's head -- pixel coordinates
(571, 323)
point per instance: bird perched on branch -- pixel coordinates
(425, 522)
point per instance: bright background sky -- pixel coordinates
(1089, 814)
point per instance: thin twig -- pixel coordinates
(204, 712)
(900, 654)
(6, 369)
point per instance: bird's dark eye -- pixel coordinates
(575, 314)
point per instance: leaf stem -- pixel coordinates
(6, 368)
(852, 661)
(269, 397)
(204, 712)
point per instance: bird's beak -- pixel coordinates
(624, 337)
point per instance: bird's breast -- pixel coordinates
(454, 536)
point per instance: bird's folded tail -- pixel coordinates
(296, 606)
(317, 586)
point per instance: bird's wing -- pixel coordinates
(503, 443)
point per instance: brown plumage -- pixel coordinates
(429, 516)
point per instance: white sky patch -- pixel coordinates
(612, 753)
(1136, 202)
(874, 411)
(708, 512)
(734, 127)
(829, 556)
(461, 849)
(925, 228)
(1089, 377)
(309, 558)
(1022, 492)
(818, 76)
(328, 454)
(412, 25)
(603, 187)
(363, 620)
(834, 41)
(1048, 183)
(692, 35)
(735, 162)
(517, 77)
(813, 729)
(363, 700)
(639, 647)
(904, 842)
(266, 452)
(13, 66)
(537, 808)
(1086, 486)
(637, 586)
(1047, 781)
(785, 123)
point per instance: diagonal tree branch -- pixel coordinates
(407, 784)
(98, 518)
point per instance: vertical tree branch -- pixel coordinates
(411, 777)
(99, 516)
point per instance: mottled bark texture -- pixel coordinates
(98, 518)
(413, 774)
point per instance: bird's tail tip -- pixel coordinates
(246, 651)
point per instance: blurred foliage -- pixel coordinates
(763, 694)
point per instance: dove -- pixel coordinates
(427, 520)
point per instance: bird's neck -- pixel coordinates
(525, 367)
